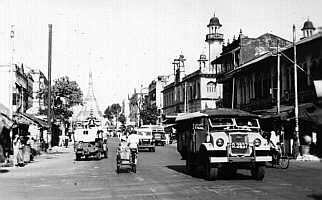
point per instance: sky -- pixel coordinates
(128, 43)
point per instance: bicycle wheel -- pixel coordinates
(284, 162)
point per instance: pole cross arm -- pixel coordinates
(292, 62)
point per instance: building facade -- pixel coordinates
(40, 83)
(200, 89)
(22, 88)
(155, 95)
(244, 51)
(252, 83)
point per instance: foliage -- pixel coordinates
(64, 94)
(149, 115)
(112, 111)
(122, 118)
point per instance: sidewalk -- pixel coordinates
(52, 153)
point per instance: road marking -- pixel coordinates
(38, 186)
(139, 178)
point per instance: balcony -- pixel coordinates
(214, 36)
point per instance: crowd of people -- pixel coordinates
(24, 150)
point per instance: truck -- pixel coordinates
(89, 143)
(158, 134)
(146, 140)
(220, 141)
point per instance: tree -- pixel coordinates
(149, 114)
(112, 111)
(122, 118)
(65, 94)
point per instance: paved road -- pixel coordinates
(160, 175)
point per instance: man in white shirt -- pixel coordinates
(133, 142)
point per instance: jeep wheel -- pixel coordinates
(78, 157)
(211, 172)
(98, 155)
(258, 172)
(134, 168)
(118, 168)
(153, 149)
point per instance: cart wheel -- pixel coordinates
(134, 168)
(284, 162)
(258, 172)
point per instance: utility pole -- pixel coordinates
(11, 69)
(296, 106)
(278, 81)
(49, 132)
(233, 94)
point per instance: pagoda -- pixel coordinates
(90, 111)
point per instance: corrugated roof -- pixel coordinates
(217, 112)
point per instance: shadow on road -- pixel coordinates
(2, 171)
(315, 196)
(199, 173)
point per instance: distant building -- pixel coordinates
(155, 95)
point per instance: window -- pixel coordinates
(211, 87)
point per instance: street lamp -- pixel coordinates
(11, 84)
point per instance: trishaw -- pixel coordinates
(126, 158)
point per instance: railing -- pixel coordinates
(214, 36)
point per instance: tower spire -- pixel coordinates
(90, 105)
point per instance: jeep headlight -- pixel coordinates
(257, 142)
(219, 142)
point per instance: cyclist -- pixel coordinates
(275, 145)
(133, 141)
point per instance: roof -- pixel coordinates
(214, 21)
(218, 112)
(308, 25)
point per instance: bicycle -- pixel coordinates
(280, 158)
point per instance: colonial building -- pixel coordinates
(200, 89)
(22, 87)
(194, 92)
(244, 51)
(250, 80)
(40, 83)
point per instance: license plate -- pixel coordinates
(239, 145)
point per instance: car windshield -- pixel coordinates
(215, 122)
(248, 122)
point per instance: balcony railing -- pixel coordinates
(214, 36)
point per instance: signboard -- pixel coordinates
(318, 88)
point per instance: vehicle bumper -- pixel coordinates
(240, 159)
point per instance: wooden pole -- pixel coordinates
(296, 106)
(49, 117)
(278, 81)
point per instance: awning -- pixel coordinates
(5, 121)
(38, 121)
(168, 125)
(21, 119)
(4, 109)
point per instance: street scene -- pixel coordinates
(166, 99)
(160, 175)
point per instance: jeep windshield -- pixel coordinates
(247, 122)
(221, 123)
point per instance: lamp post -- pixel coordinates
(296, 106)
(11, 69)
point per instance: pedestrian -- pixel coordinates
(17, 151)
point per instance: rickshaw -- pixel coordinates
(127, 158)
